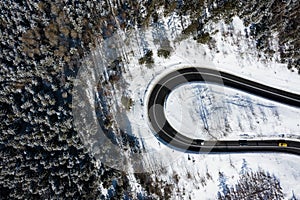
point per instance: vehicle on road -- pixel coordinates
(282, 144)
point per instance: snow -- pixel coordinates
(282, 165)
(203, 111)
(238, 55)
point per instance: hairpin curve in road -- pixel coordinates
(166, 133)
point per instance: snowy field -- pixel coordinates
(215, 112)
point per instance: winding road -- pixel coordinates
(168, 135)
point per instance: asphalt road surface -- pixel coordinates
(168, 135)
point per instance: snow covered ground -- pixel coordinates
(194, 107)
(199, 175)
(223, 113)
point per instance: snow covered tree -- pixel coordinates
(253, 185)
